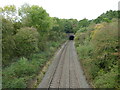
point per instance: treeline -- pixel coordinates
(98, 49)
(30, 38)
(30, 30)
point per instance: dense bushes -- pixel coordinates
(98, 52)
(19, 73)
(8, 44)
(8, 48)
(26, 41)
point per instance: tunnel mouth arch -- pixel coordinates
(71, 37)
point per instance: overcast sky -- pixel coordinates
(77, 9)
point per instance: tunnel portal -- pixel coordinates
(71, 37)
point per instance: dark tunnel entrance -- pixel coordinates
(71, 37)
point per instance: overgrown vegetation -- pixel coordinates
(30, 38)
(18, 74)
(97, 47)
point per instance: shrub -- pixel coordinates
(8, 44)
(15, 83)
(85, 51)
(107, 80)
(24, 68)
(26, 41)
(8, 49)
(19, 72)
(13, 75)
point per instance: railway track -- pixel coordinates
(65, 70)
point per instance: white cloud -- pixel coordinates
(77, 9)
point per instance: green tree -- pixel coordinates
(83, 23)
(9, 12)
(8, 44)
(26, 41)
(107, 17)
(35, 16)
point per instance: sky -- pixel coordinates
(76, 9)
